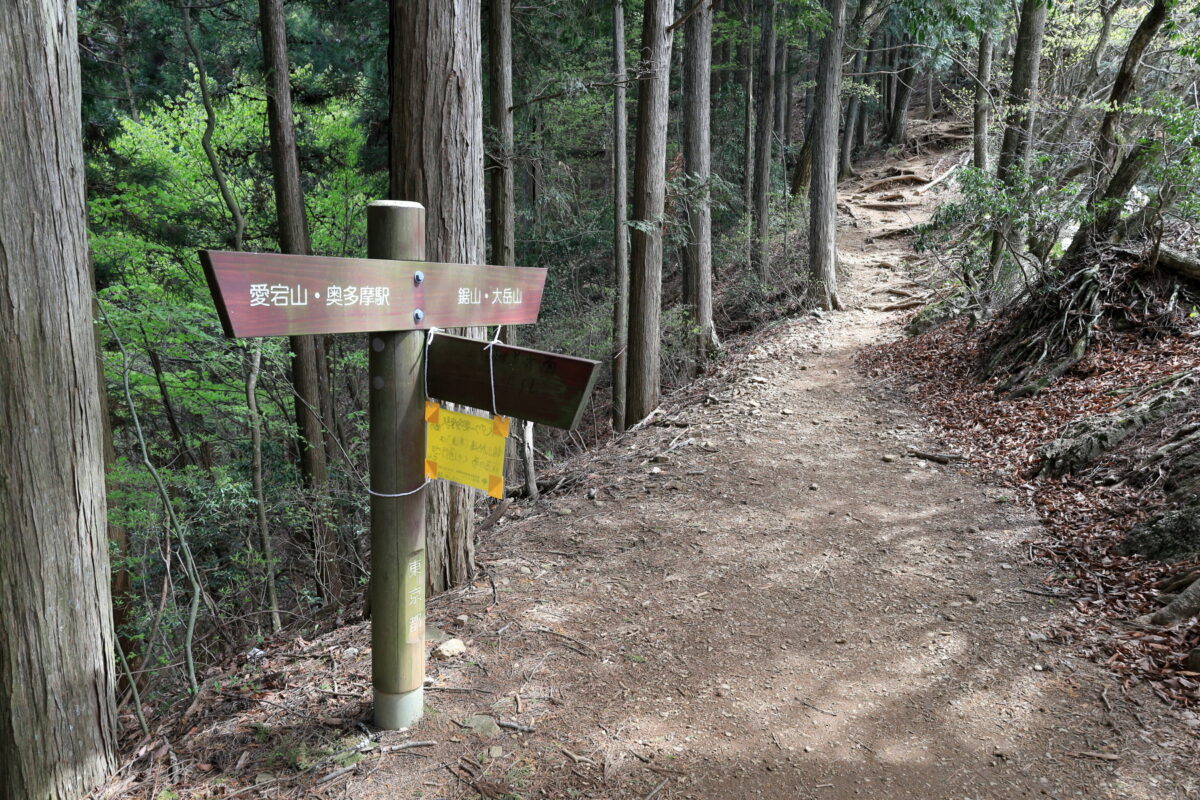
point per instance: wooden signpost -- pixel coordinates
(395, 295)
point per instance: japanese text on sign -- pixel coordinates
(282, 295)
(470, 296)
(465, 449)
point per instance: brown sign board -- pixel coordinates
(271, 294)
(540, 387)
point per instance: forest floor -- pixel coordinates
(762, 593)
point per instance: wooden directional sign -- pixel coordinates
(532, 385)
(269, 294)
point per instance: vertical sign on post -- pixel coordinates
(396, 230)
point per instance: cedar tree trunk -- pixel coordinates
(436, 144)
(57, 682)
(649, 188)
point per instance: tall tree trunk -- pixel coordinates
(810, 76)
(308, 352)
(898, 122)
(760, 251)
(649, 189)
(930, 80)
(802, 172)
(850, 128)
(122, 580)
(1106, 188)
(500, 79)
(620, 232)
(781, 90)
(747, 54)
(436, 153)
(254, 363)
(57, 682)
(1018, 123)
(983, 100)
(887, 81)
(210, 127)
(503, 200)
(822, 226)
(697, 162)
(789, 104)
(860, 130)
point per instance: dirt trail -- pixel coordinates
(763, 596)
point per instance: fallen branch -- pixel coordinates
(901, 306)
(940, 458)
(886, 182)
(935, 182)
(494, 517)
(889, 206)
(894, 233)
(515, 726)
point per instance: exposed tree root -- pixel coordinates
(1085, 440)
(1185, 605)
(1051, 331)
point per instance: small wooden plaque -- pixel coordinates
(532, 385)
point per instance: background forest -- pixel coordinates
(236, 469)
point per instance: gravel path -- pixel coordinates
(763, 595)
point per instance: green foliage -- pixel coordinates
(153, 203)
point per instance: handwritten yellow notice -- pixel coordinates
(465, 449)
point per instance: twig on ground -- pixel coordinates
(578, 759)
(656, 789)
(816, 708)
(940, 458)
(515, 726)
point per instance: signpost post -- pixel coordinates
(394, 295)
(396, 230)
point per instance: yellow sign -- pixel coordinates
(465, 449)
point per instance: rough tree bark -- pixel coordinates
(620, 234)
(57, 682)
(802, 171)
(781, 90)
(697, 162)
(500, 102)
(436, 155)
(983, 100)
(1106, 148)
(746, 54)
(853, 40)
(1018, 122)
(822, 225)
(308, 352)
(764, 127)
(850, 128)
(901, 95)
(649, 189)
(503, 200)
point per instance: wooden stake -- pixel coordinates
(396, 230)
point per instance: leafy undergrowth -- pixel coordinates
(1084, 521)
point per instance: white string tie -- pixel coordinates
(490, 347)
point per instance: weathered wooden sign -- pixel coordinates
(271, 294)
(545, 388)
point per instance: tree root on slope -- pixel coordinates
(1051, 331)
